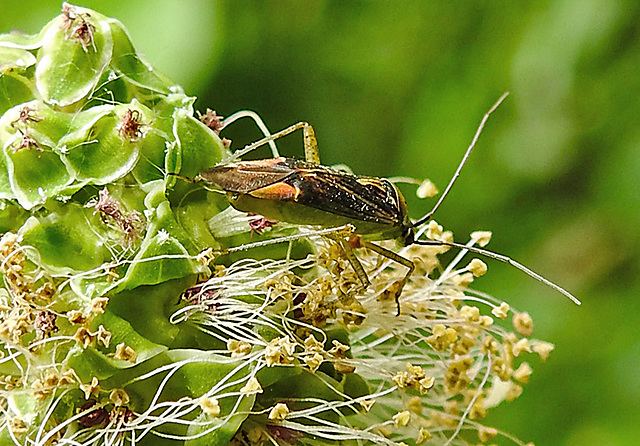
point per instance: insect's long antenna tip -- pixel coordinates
(505, 259)
(456, 174)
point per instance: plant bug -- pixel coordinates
(352, 210)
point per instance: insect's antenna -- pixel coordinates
(259, 122)
(455, 176)
(501, 258)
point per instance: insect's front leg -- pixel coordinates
(396, 289)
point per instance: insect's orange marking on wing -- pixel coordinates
(277, 191)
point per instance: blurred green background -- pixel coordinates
(398, 88)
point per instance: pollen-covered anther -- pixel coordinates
(470, 314)
(514, 391)
(521, 346)
(462, 280)
(366, 404)
(9, 382)
(502, 311)
(311, 344)
(210, 406)
(502, 369)
(83, 337)
(442, 337)
(402, 418)
(489, 345)
(543, 349)
(76, 317)
(338, 350)
(401, 379)
(119, 397)
(486, 433)
(464, 344)
(91, 388)
(427, 189)
(205, 257)
(477, 267)
(423, 436)
(252, 386)
(434, 230)
(99, 304)
(486, 321)
(238, 348)
(344, 367)
(460, 365)
(482, 238)
(313, 361)
(103, 336)
(478, 410)
(46, 291)
(523, 324)
(40, 390)
(279, 412)
(523, 373)
(279, 351)
(125, 353)
(18, 427)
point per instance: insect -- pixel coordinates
(354, 211)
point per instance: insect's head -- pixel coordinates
(408, 235)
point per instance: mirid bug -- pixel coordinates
(352, 210)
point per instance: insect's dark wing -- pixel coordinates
(361, 198)
(248, 176)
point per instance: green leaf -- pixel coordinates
(11, 215)
(162, 255)
(35, 175)
(152, 152)
(49, 127)
(18, 39)
(105, 156)
(148, 308)
(15, 59)
(14, 89)
(68, 228)
(5, 185)
(199, 146)
(67, 71)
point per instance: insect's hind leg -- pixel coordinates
(310, 142)
(355, 263)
